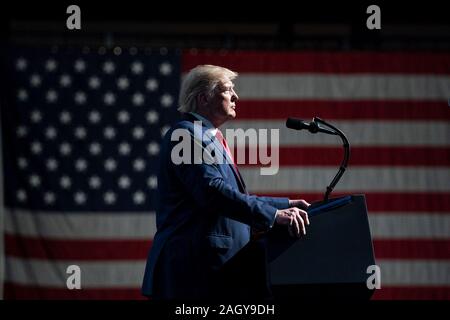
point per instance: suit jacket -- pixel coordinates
(204, 216)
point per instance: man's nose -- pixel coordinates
(235, 97)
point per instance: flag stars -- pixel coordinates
(81, 165)
(138, 99)
(152, 182)
(152, 117)
(36, 116)
(109, 197)
(94, 82)
(51, 96)
(123, 116)
(124, 148)
(95, 148)
(80, 198)
(51, 65)
(35, 80)
(80, 133)
(65, 149)
(65, 117)
(109, 133)
(109, 98)
(109, 67)
(165, 68)
(21, 131)
(110, 164)
(151, 84)
(80, 66)
(51, 133)
(52, 164)
(139, 164)
(124, 182)
(65, 81)
(138, 197)
(65, 182)
(21, 64)
(94, 117)
(22, 163)
(49, 198)
(21, 195)
(166, 100)
(138, 133)
(35, 181)
(80, 97)
(22, 95)
(123, 83)
(137, 67)
(36, 147)
(153, 148)
(95, 182)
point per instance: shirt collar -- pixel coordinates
(206, 122)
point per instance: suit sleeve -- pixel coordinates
(207, 186)
(277, 202)
(209, 189)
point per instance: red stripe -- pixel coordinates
(360, 156)
(16, 291)
(412, 293)
(436, 202)
(321, 62)
(342, 110)
(412, 249)
(42, 248)
(19, 246)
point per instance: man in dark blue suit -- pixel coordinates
(205, 215)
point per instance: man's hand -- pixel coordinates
(296, 219)
(299, 203)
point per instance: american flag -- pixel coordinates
(81, 134)
(81, 130)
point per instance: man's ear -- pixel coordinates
(202, 99)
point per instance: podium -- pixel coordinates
(331, 260)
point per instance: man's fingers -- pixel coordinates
(305, 204)
(301, 224)
(304, 215)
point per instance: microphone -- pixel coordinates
(313, 126)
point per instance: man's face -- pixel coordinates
(223, 102)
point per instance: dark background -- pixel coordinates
(340, 25)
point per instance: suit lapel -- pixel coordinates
(218, 146)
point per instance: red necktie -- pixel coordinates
(224, 143)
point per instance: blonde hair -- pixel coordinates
(201, 79)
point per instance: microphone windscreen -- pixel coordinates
(292, 123)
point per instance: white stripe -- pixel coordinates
(421, 225)
(414, 272)
(130, 274)
(116, 226)
(359, 133)
(342, 87)
(93, 274)
(360, 179)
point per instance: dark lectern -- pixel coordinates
(331, 260)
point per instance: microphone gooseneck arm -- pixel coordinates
(344, 162)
